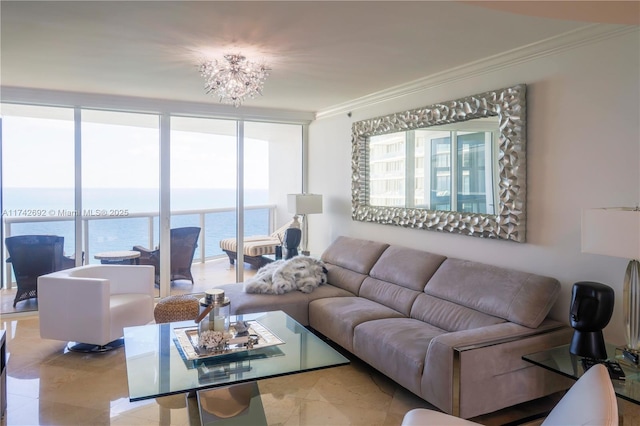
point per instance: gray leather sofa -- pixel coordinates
(451, 331)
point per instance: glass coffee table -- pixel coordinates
(156, 367)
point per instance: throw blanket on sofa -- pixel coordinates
(282, 276)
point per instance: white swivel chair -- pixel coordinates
(591, 401)
(92, 304)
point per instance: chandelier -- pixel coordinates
(234, 79)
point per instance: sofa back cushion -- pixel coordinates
(516, 296)
(406, 267)
(449, 316)
(349, 260)
(399, 276)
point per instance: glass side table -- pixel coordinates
(561, 361)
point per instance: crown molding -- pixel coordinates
(582, 36)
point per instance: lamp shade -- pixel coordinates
(304, 203)
(611, 232)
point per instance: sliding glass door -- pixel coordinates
(120, 184)
(38, 176)
(203, 196)
(114, 182)
(273, 169)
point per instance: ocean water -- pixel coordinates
(112, 229)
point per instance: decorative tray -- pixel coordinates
(256, 336)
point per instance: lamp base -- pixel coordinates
(295, 223)
(631, 302)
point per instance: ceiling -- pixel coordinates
(322, 53)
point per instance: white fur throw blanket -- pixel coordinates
(282, 276)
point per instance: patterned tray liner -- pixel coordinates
(187, 341)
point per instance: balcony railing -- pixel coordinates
(99, 236)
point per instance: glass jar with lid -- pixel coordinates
(219, 308)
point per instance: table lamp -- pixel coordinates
(616, 232)
(302, 205)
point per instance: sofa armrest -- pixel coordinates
(475, 356)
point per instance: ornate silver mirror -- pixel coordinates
(457, 166)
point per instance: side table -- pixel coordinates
(561, 361)
(123, 257)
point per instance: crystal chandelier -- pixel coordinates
(234, 79)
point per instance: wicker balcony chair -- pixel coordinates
(184, 242)
(32, 256)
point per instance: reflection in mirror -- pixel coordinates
(436, 168)
(457, 166)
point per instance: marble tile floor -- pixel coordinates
(49, 386)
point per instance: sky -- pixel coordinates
(39, 153)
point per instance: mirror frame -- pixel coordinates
(509, 220)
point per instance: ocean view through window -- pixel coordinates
(110, 180)
(115, 216)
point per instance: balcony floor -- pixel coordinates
(206, 275)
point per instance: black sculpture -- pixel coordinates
(292, 238)
(591, 310)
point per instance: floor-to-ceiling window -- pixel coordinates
(205, 184)
(120, 182)
(203, 188)
(273, 168)
(38, 176)
(104, 174)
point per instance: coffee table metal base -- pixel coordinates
(233, 405)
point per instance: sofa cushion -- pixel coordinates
(354, 254)
(295, 303)
(516, 296)
(406, 267)
(397, 347)
(448, 315)
(399, 276)
(336, 317)
(344, 278)
(349, 260)
(388, 294)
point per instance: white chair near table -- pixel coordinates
(92, 304)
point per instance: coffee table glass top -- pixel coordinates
(155, 366)
(561, 361)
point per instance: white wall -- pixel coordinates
(583, 150)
